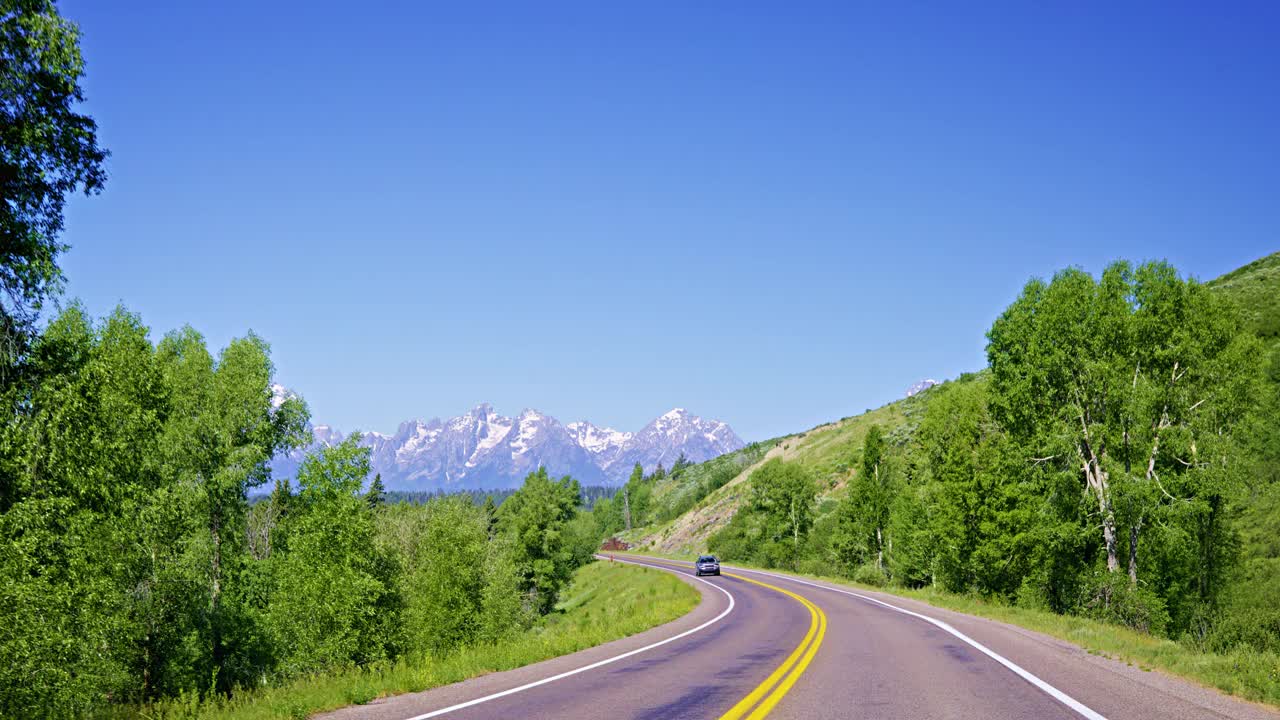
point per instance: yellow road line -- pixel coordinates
(767, 694)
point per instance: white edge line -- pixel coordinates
(594, 665)
(1055, 693)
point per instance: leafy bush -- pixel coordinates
(869, 574)
(1255, 628)
(1111, 597)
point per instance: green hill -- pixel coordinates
(829, 450)
(1256, 289)
(688, 518)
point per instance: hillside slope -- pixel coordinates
(831, 450)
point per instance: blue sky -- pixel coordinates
(773, 216)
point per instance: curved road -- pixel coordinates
(764, 644)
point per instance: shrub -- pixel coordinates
(1255, 628)
(869, 574)
(1111, 597)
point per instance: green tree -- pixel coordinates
(221, 431)
(782, 494)
(328, 608)
(491, 514)
(1135, 384)
(442, 549)
(47, 151)
(537, 517)
(376, 495)
(80, 462)
(865, 511)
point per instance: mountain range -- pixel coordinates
(485, 450)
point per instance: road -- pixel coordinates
(763, 644)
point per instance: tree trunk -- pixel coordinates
(215, 528)
(1096, 478)
(1133, 551)
(879, 550)
(795, 535)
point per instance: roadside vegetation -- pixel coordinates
(604, 602)
(1111, 478)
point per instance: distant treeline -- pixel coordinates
(590, 495)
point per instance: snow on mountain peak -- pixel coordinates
(597, 440)
(483, 449)
(921, 386)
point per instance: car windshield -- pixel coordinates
(706, 559)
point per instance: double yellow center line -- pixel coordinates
(766, 695)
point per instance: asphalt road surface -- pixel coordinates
(764, 644)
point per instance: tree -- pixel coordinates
(782, 494)
(491, 514)
(1134, 383)
(635, 498)
(681, 463)
(537, 517)
(220, 433)
(326, 608)
(865, 510)
(47, 151)
(81, 471)
(376, 496)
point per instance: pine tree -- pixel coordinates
(491, 513)
(377, 494)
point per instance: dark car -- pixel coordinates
(707, 565)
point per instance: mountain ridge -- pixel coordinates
(482, 449)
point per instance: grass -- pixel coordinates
(605, 602)
(1254, 288)
(1246, 674)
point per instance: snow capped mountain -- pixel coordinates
(921, 386)
(483, 449)
(603, 443)
(669, 435)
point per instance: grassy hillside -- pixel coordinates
(1256, 289)
(829, 450)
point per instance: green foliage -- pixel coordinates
(332, 604)
(1112, 598)
(864, 513)
(126, 582)
(457, 586)
(537, 517)
(775, 527)
(605, 601)
(1118, 461)
(47, 152)
(1141, 378)
(376, 495)
(870, 574)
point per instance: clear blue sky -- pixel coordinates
(775, 217)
